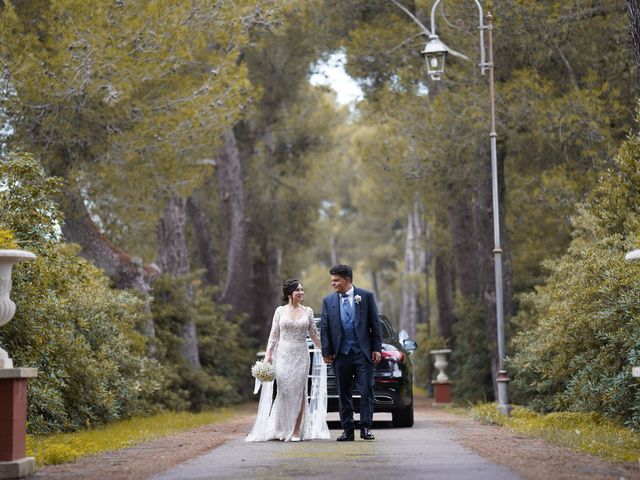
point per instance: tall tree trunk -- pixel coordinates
(376, 289)
(414, 259)
(633, 7)
(484, 212)
(426, 259)
(231, 189)
(266, 281)
(408, 308)
(445, 297)
(125, 270)
(334, 250)
(173, 258)
(266, 266)
(464, 248)
(204, 239)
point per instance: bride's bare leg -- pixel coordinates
(296, 430)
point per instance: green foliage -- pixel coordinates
(223, 354)
(582, 328)
(282, 207)
(57, 454)
(471, 377)
(115, 95)
(81, 335)
(423, 371)
(586, 432)
(65, 447)
(78, 332)
(8, 240)
(127, 101)
(569, 152)
(26, 204)
(488, 413)
(559, 117)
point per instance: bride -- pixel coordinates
(291, 417)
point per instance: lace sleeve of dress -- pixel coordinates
(274, 336)
(313, 330)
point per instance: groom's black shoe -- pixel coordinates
(366, 434)
(347, 436)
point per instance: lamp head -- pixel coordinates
(435, 53)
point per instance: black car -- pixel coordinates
(393, 388)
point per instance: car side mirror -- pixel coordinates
(410, 345)
(403, 335)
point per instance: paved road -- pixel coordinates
(425, 451)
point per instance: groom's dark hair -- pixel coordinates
(343, 271)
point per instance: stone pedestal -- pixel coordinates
(441, 393)
(13, 422)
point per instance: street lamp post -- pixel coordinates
(435, 52)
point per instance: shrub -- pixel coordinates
(223, 354)
(471, 369)
(489, 414)
(78, 332)
(27, 208)
(82, 337)
(581, 330)
(424, 371)
(57, 454)
(586, 432)
(8, 240)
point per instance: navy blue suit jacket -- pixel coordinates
(367, 323)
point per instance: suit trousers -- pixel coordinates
(346, 367)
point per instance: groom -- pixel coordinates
(350, 330)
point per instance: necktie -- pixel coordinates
(345, 305)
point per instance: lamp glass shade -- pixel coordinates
(435, 53)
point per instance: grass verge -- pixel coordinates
(66, 447)
(585, 432)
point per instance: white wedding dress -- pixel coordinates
(276, 420)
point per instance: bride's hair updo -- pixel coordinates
(288, 287)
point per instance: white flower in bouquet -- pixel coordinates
(263, 371)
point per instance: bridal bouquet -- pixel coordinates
(263, 371)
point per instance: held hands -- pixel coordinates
(376, 357)
(267, 358)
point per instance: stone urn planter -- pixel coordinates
(442, 384)
(441, 363)
(634, 256)
(8, 258)
(13, 384)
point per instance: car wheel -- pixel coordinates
(403, 417)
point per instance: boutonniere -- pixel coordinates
(357, 298)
